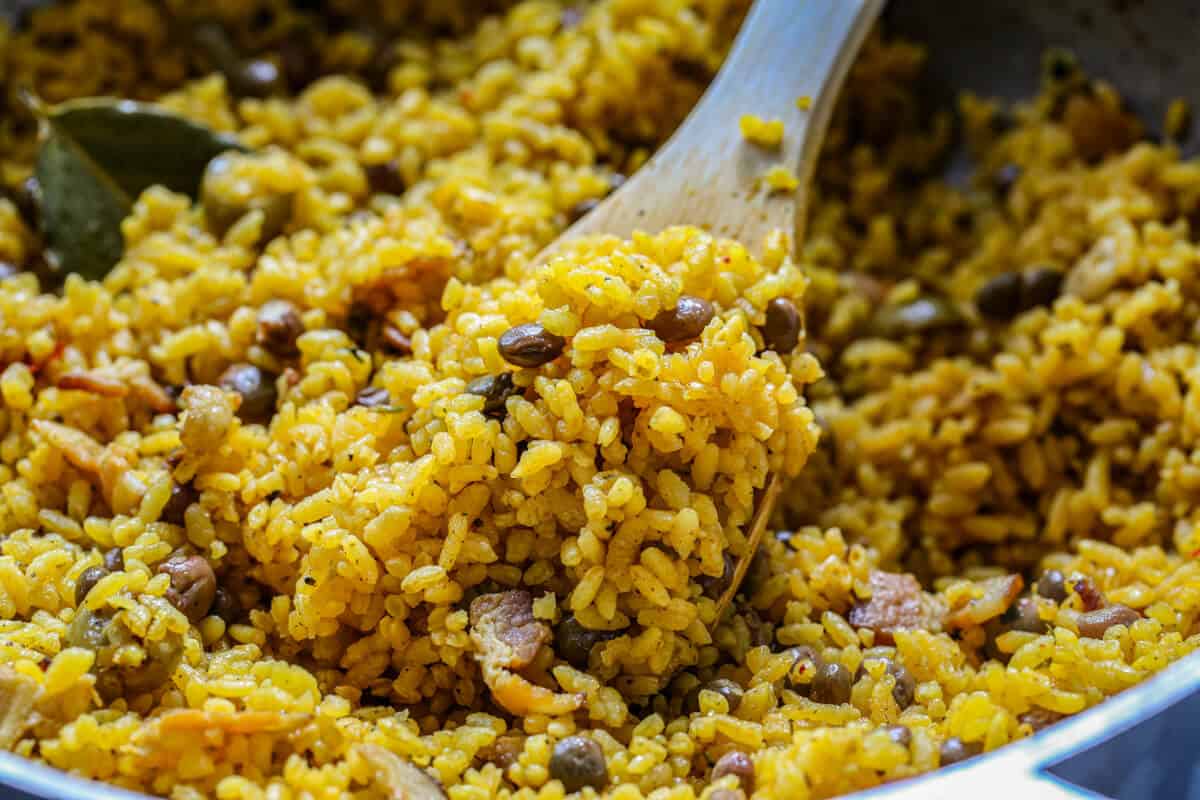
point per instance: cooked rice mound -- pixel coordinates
(282, 514)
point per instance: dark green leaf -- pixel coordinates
(82, 209)
(97, 156)
(141, 145)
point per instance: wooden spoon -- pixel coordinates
(708, 175)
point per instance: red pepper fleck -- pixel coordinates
(59, 347)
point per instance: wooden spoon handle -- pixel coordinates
(765, 505)
(707, 174)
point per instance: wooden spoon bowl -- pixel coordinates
(788, 63)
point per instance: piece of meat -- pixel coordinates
(507, 638)
(148, 390)
(503, 752)
(106, 465)
(93, 383)
(897, 603)
(418, 620)
(141, 387)
(505, 622)
(402, 779)
(18, 694)
(998, 594)
(406, 285)
(84, 452)
(1094, 624)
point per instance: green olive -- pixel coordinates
(573, 642)
(193, 585)
(86, 580)
(225, 203)
(831, 684)
(257, 390)
(577, 761)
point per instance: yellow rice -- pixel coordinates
(621, 473)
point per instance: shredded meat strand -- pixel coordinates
(152, 394)
(104, 464)
(998, 594)
(897, 603)
(93, 382)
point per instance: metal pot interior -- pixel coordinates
(1147, 50)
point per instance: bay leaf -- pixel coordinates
(81, 210)
(140, 144)
(97, 156)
